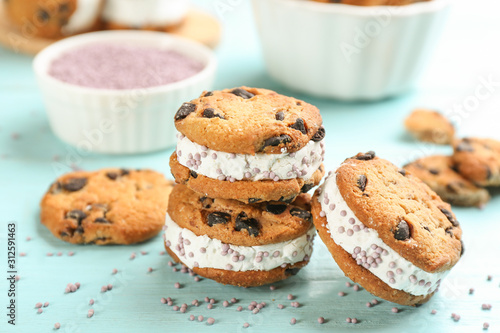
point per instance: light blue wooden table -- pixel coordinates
(468, 53)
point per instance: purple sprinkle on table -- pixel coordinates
(272, 288)
(28, 238)
(395, 310)
(246, 325)
(17, 278)
(200, 318)
(341, 293)
(39, 311)
(150, 269)
(471, 291)
(50, 254)
(348, 320)
(114, 271)
(207, 299)
(196, 279)
(374, 302)
(348, 284)
(486, 326)
(321, 320)
(90, 313)
(22, 254)
(91, 302)
(212, 301)
(191, 317)
(354, 320)
(356, 287)
(183, 310)
(486, 306)
(368, 304)
(59, 254)
(210, 321)
(433, 311)
(281, 306)
(210, 306)
(234, 300)
(46, 304)
(225, 304)
(77, 284)
(163, 300)
(71, 253)
(57, 326)
(489, 278)
(260, 306)
(239, 308)
(177, 285)
(176, 308)
(104, 289)
(293, 321)
(290, 296)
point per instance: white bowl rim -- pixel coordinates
(405, 10)
(68, 43)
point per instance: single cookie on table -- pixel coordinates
(478, 160)
(158, 15)
(109, 206)
(240, 244)
(438, 173)
(430, 126)
(372, 2)
(386, 229)
(248, 144)
(54, 18)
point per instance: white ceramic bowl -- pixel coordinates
(348, 52)
(120, 121)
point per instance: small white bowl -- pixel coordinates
(120, 121)
(348, 52)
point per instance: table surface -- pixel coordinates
(468, 53)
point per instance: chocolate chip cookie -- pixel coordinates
(430, 126)
(236, 243)
(248, 144)
(386, 229)
(109, 206)
(438, 173)
(478, 160)
(372, 2)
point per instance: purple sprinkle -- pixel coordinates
(395, 310)
(255, 310)
(200, 318)
(114, 271)
(354, 320)
(176, 308)
(90, 313)
(110, 286)
(433, 312)
(210, 321)
(234, 300)
(348, 320)
(46, 304)
(225, 304)
(150, 269)
(341, 293)
(212, 301)
(196, 279)
(355, 287)
(57, 326)
(486, 326)
(290, 296)
(210, 306)
(191, 317)
(104, 289)
(91, 302)
(281, 306)
(239, 308)
(177, 285)
(321, 320)
(246, 325)
(38, 305)
(163, 300)
(293, 321)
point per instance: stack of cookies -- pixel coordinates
(458, 179)
(245, 160)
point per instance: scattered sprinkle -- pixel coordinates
(200, 318)
(395, 310)
(191, 317)
(132, 256)
(471, 291)
(71, 253)
(57, 326)
(239, 308)
(348, 284)
(38, 305)
(50, 254)
(196, 279)
(321, 320)
(281, 306)
(290, 296)
(486, 326)
(368, 304)
(114, 271)
(59, 254)
(104, 289)
(486, 307)
(150, 269)
(433, 311)
(455, 317)
(46, 304)
(28, 238)
(163, 300)
(225, 304)
(22, 254)
(210, 306)
(272, 288)
(356, 287)
(210, 321)
(17, 278)
(293, 321)
(246, 325)
(144, 253)
(234, 300)
(40, 310)
(90, 313)
(177, 285)
(91, 302)
(175, 308)
(354, 320)
(489, 278)
(341, 294)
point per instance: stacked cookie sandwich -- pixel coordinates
(245, 159)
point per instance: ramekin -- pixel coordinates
(120, 121)
(348, 52)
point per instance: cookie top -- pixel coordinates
(408, 216)
(108, 206)
(248, 121)
(430, 126)
(236, 223)
(478, 160)
(438, 173)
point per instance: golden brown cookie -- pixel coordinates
(108, 206)
(478, 160)
(53, 18)
(236, 243)
(430, 126)
(386, 229)
(248, 121)
(244, 190)
(437, 172)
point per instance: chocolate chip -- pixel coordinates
(74, 184)
(280, 116)
(79, 229)
(218, 218)
(306, 188)
(208, 93)
(402, 171)
(277, 140)
(362, 181)
(366, 156)
(299, 126)
(254, 200)
(77, 215)
(275, 209)
(43, 15)
(193, 174)
(449, 231)
(185, 110)
(112, 175)
(289, 200)
(101, 220)
(299, 103)
(206, 202)
(125, 172)
(426, 228)
(63, 8)
(434, 171)
(319, 135)
(244, 222)
(462, 249)
(300, 213)
(465, 145)
(291, 271)
(242, 93)
(55, 188)
(63, 234)
(449, 216)
(488, 173)
(402, 232)
(210, 113)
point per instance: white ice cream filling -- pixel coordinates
(227, 166)
(368, 249)
(203, 251)
(139, 13)
(84, 17)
